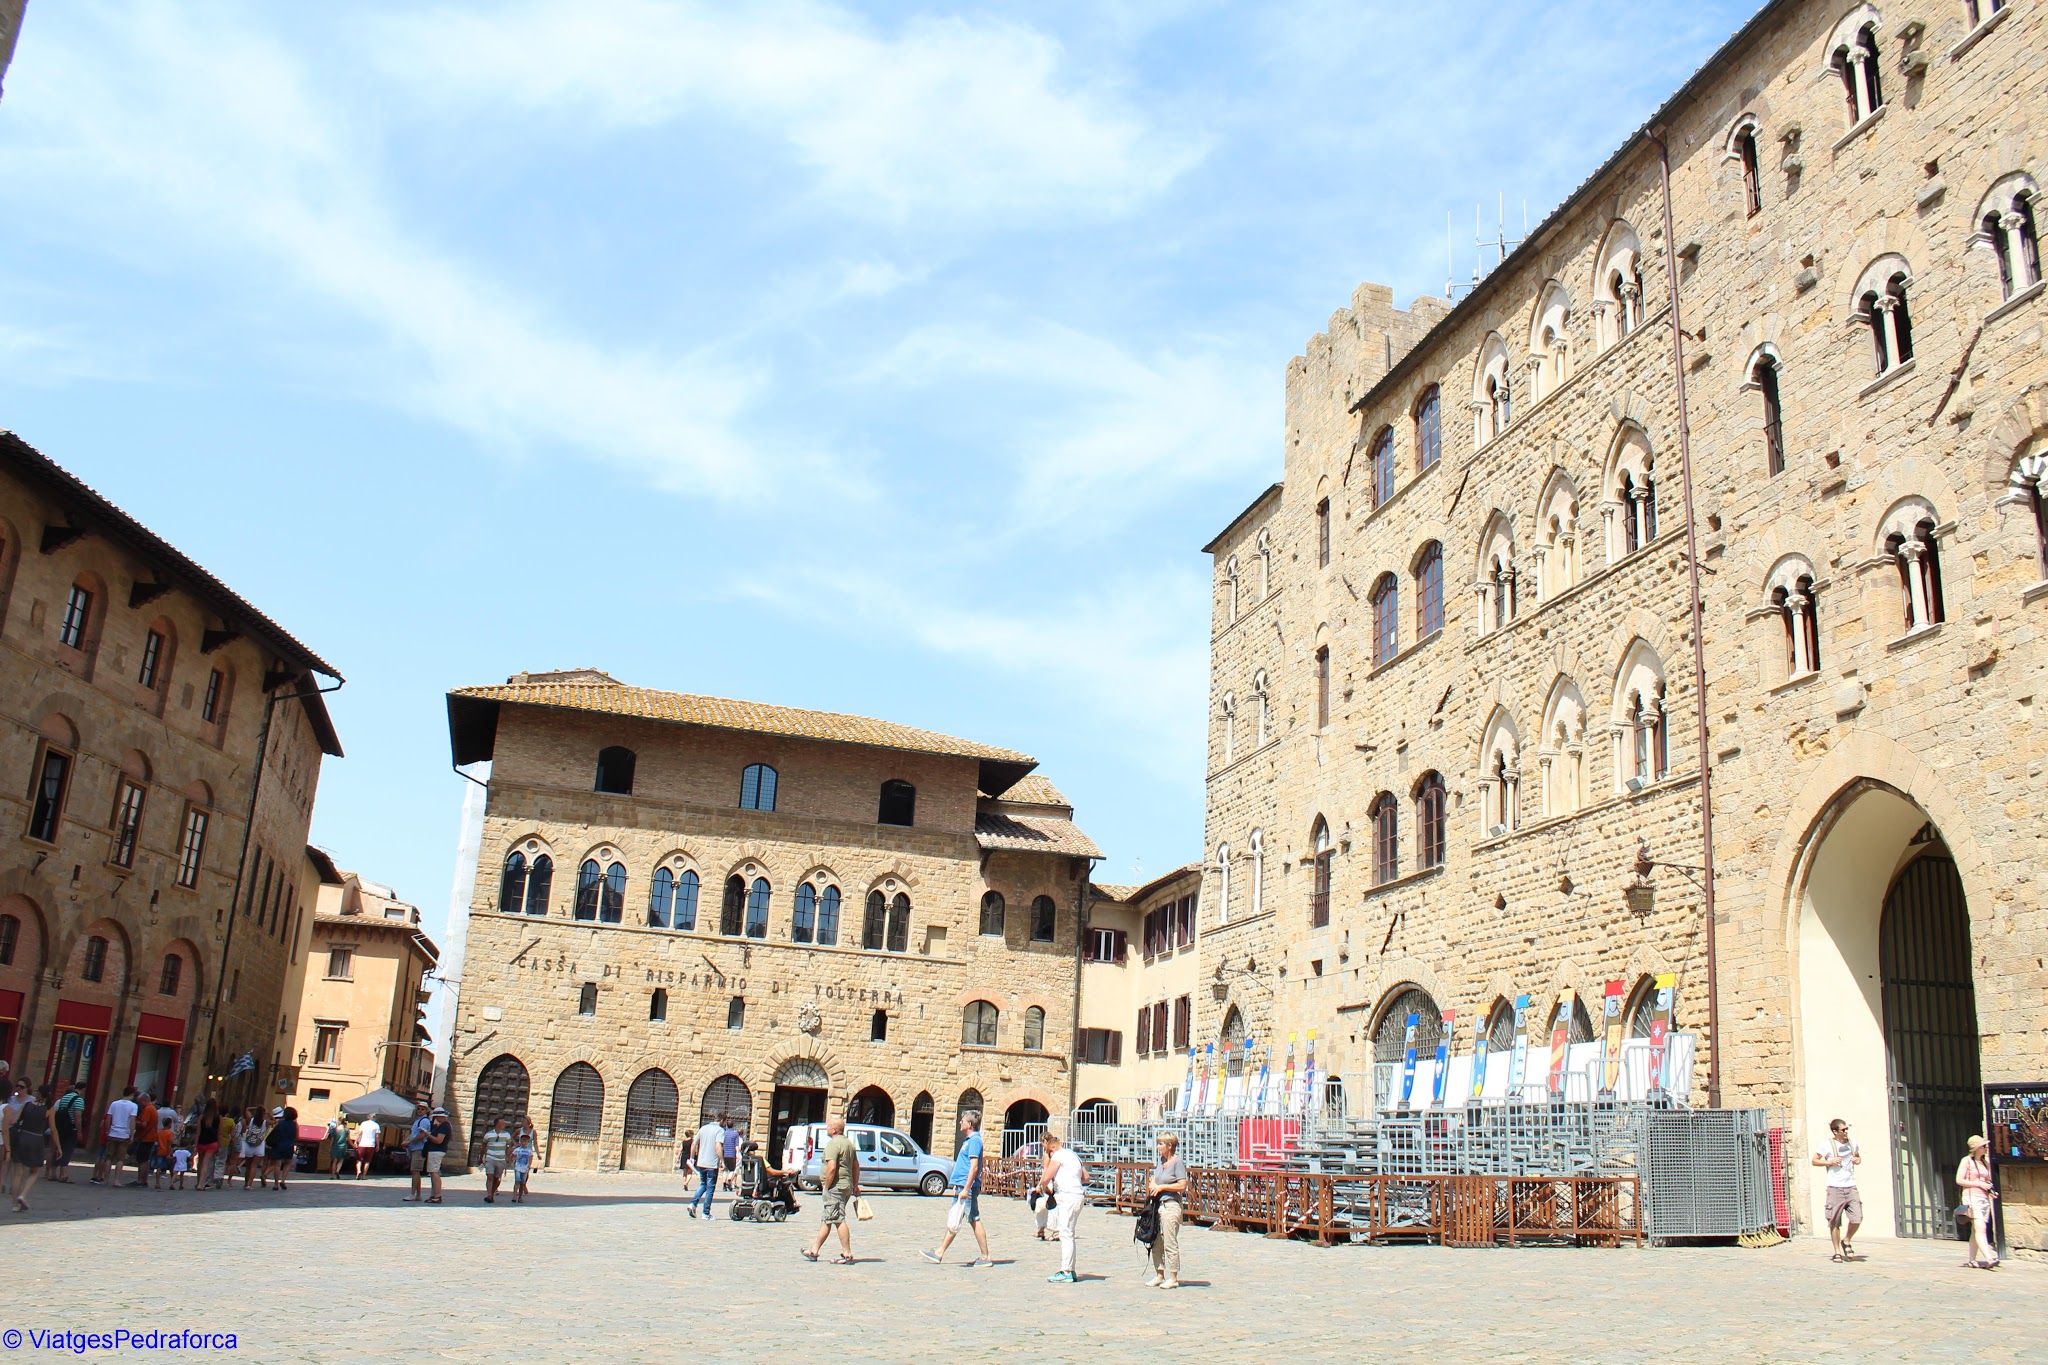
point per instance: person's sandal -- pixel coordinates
(842, 1260)
(1837, 1258)
(807, 1255)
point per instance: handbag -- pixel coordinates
(862, 1210)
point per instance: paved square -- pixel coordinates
(608, 1267)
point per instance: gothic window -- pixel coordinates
(1640, 719)
(612, 899)
(1881, 305)
(589, 884)
(685, 916)
(615, 770)
(1034, 1028)
(979, 1023)
(874, 926)
(1763, 373)
(1855, 61)
(803, 924)
(1492, 396)
(1230, 586)
(757, 787)
(1500, 786)
(1618, 285)
(1319, 883)
(2006, 222)
(899, 923)
(1561, 751)
(828, 917)
(1386, 838)
(1044, 919)
(1386, 619)
(1429, 821)
(1323, 534)
(2029, 473)
(1429, 591)
(512, 884)
(1557, 537)
(732, 910)
(1497, 578)
(1323, 688)
(757, 908)
(1382, 466)
(1229, 727)
(1265, 563)
(1630, 507)
(1752, 175)
(899, 803)
(1796, 600)
(1549, 340)
(1910, 540)
(1258, 849)
(661, 898)
(1265, 707)
(1428, 429)
(1500, 1027)
(992, 908)
(1223, 883)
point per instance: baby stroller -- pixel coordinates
(763, 1198)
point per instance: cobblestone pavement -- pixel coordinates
(608, 1267)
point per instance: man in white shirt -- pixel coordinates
(707, 1149)
(119, 1132)
(368, 1133)
(1844, 1208)
(1064, 1177)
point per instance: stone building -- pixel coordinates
(1790, 333)
(358, 991)
(687, 906)
(164, 739)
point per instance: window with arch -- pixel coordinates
(1429, 591)
(74, 630)
(1390, 1037)
(1230, 586)
(1381, 465)
(586, 999)
(2025, 484)
(1257, 843)
(1500, 1027)
(757, 908)
(1044, 919)
(1557, 557)
(191, 844)
(1034, 1028)
(2006, 223)
(578, 1104)
(1618, 292)
(1265, 708)
(1319, 879)
(1561, 751)
(1492, 393)
(1323, 534)
(1855, 62)
(1640, 721)
(1265, 563)
(1500, 784)
(1630, 507)
(512, 884)
(1323, 687)
(661, 898)
(651, 1105)
(53, 785)
(1222, 884)
(1229, 712)
(803, 924)
(1795, 598)
(757, 787)
(10, 936)
(978, 1024)
(1386, 619)
(1750, 166)
(1385, 814)
(1429, 820)
(1499, 597)
(899, 923)
(1549, 341)
(657, 1006)
(601, 892)
(615, 770)
(874, 928)
(1910, 539)
(992, 911)
(1641, 1011)
(899, 803)
(173, 970)
(828, 917)
(1763, 376)
(1429, 439)
(1881, 306)
(129, 796)
(732, 911)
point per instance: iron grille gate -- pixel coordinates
(1930, 1028)
(501, 1093)
(578, 1106)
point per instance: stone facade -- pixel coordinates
(141, 699)
(1815, 217)
(681, 1022)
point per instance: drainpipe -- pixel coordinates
(1699, 649)
(1080, 941)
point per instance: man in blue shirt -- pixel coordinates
(416, 1148)
(966, 1195)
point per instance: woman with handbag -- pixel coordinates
(1973, 1178)
(1168, 1183)
(1066, 1180)
(29, 1139)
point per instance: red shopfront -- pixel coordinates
(78, 1048)
(10, 1023)
(159, 1042)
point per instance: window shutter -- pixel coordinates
(1116, 1047)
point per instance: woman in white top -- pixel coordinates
(1066, 1179)
(1973, 1178)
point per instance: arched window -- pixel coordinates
(512, 884)
(615, 770)
(1265, 702)
(1223, 883)
(1792, 593)
(1641, 1012)
(899, 923)
(1230, 1042)
(1630, 507)
(1549, 340)
(1323, 534)
(1752, 173)
(1429, 820)
(651, 1104)
(899, 803)
(614, 907)
(1910, 539)
(1561, 749)
(1763, 373)
(657, 1006)
(590, 889)
(94, 967)
(578, 1109)
(1855, 61)
(1618, 284)
(1500, 786)
(1492, 398)
(726, 1099)
(1386, 619)
(1229, 710)
(732, 912)
(1382, 466)
(1500, 1027)
(757, 909)
(1391, 1038)
(1429, 591)
(828, 917)
(970, 1102)
(757, 787)
(1230, 586)
(1640, 717)
(1428, 429)
(2006, 223)
(978, 1024)
(173, 970)
(1034, 1028)
(10, 935)
(1557, 536)
(540, 882)
(1497, 585)
(1881, 305)
(1258, 849)
(874, 927)
(2029, 474)
(502, 1091)
(1319, 882)
(586, 999)
(661, 898)
(736, 1013)
(1323, 688)
(992, 908)
(803, 923)
(1044, 919)
(1385, 814)
(686, 900)
(1265, 563)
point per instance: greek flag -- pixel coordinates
(245, 1062)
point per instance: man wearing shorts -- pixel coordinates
(1844, 1207)
(117, 1130)
(839, 1179)
(416, 1148)
(439, 1131)
(966, 1195)
(368, 1133)
(497, 1146)
(70, 1109)
(143, 1148)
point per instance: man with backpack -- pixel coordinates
(67, 1116)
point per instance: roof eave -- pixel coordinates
(1240, 519)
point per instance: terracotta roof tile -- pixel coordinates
(1036, 790)
(1033, 834)
(1113, 891)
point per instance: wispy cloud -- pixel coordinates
(943, 117)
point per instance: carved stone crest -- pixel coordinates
(808, 1019)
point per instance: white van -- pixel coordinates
(889, 1160)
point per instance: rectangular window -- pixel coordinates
(191, 846)
(1144, 1034)
(1101, 1046)
(1319, 893)
(341, 964)
(127, 823)
(1428, 432)
(152, 659)
(1323, 688)
(53, 778)
(209, 705)
(1159, 1026)
(1105, 945)
(1323, 534)
(1184, 923)
(1183, 1020)
(327, 1045)
(77, 614)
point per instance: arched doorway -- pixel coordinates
(575, 1118)
(1390, 1047)
(800, 1089)
(727, 1098)
(921, 1120)
(1886, 1010)
(872, 1104)
(1023, 1122)
(651, 1104)
(502, 1090)
(970, 1103)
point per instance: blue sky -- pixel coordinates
(893, 361)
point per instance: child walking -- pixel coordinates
(522, 1163)
(181, 1162)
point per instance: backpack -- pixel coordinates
(1146, 1230)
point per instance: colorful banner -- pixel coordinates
(1660, 1028)
(1518, 1051)
(1443, 1059)
(1560, 1040)
(1610, 1038)
(1479, 1058)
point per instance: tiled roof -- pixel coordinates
(1185, 869)
(647, 703)
(1033, 834)
(1113, 891)
(1036, 790)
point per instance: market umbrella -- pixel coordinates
(382, 1103)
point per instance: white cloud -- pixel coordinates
(945, 117)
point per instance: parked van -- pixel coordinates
(889, 1160)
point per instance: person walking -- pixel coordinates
(1066, 1180)
(839, 1185)
(29, 1135)
(522, 1162)
(707, 1152)
(1973, 1179)
(281, 1147)
(416, 1148)
(368, 1133)
(339, 1149)
(1844, 1208)
(729, 1151)
(497, 1147)
(440, 1132)
(967, 1164)
(68, 1114)
(117, 1133)
(143, 1147)
(224, 1159)
(255, 1141)
(1168, 1184)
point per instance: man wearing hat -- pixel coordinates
(439, 1131)
(416, 1147)
(1973, 1178)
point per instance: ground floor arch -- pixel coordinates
(1024, 1121)
(801, 1089)
(872, 1104)
(503, 1089)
